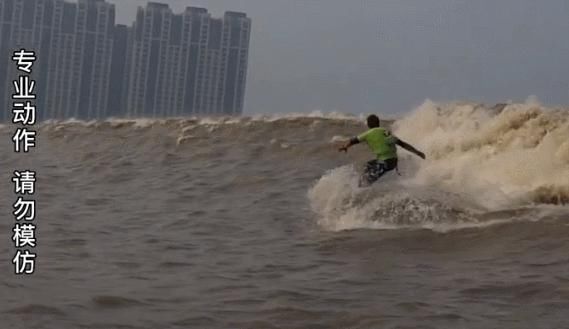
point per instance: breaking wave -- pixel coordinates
(498, 156)
(481, 160)
(509, 159)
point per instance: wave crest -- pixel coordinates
(495, 156)
(493, 159)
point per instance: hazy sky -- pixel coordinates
(388, 56)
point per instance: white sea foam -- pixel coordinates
(342, 205)
(479, 160)
(496, 159)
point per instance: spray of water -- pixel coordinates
(483, 159)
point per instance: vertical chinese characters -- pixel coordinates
(24, 115)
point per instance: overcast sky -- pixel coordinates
(388, 56)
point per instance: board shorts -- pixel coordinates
(374, 169)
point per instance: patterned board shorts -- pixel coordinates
(374, 169)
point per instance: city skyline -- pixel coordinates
(200, 62)
(387, 57)
(89, 67)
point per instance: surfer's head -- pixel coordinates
(372, 121)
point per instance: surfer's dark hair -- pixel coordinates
(372, 121)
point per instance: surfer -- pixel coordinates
(383, 144)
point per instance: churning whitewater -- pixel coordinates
(481, 161)
(257, 222)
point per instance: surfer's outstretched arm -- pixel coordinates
(348, 144)
(410, 148)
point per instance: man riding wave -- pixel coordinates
(384, 145)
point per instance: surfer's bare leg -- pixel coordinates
(363, 181)
(373, 170)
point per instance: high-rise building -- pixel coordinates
(235, 55)
(187, 63)
(25, 24)
(116, 103)
(73, 45)
(166, 64)
(82, 60)
(95, 27)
